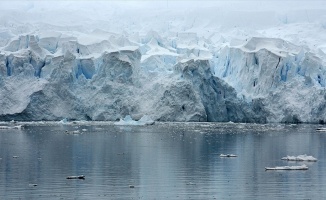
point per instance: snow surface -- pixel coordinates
(241, 61)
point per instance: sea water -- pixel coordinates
(162, 161)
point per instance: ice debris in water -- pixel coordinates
(228, 155)
(301, 167)
(300, 158)
(76, 177)
(72, 132)
(64, 121)
(145, 120)
(11, 127)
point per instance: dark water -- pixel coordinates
(165, 161)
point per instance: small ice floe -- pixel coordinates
(64, 121)
(300, 158)
(145, 120)
(72, 132)
(11, 127)
(228, 155)
(301, 167)
(321, 129)
(191, 183)
(76, 177)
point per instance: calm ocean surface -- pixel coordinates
(163, 161)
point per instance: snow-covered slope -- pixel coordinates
(200, 62)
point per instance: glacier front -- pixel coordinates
(180, 69)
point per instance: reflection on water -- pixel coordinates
(164, 161)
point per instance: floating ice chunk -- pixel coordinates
(228, 155)
(145, 120)
(321, 129)
(300, 158)
(301, 167)
(76, 177)
(11, 127)
(72, 132)
(191, 183)
(126, 121)
(64, 121)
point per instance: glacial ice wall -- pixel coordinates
(288, 79)
(164, 83)
(202, 64)
(243, 84)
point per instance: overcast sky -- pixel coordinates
(214, 12)
(170, 4)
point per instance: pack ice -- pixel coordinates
(180, 69)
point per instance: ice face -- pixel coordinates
(284, 75)
(187, 64)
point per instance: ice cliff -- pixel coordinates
(288, 79)
(263, 80)
(113, 85)
(181, 69)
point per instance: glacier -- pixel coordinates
(181, 69)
